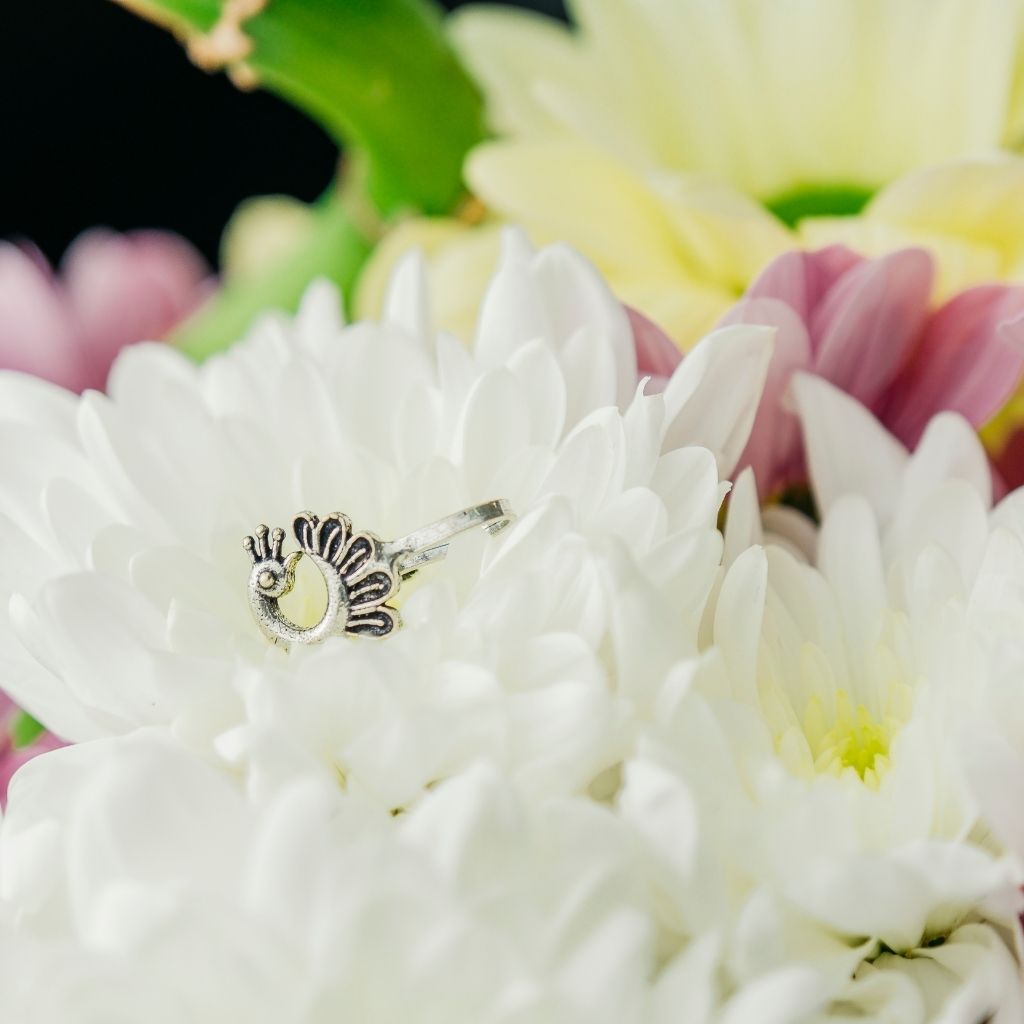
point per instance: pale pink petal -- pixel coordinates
(37, 330)
(773, 449)
(866, 325)
(969, 361)
(657, 355)
(803, 279)
(128, 288)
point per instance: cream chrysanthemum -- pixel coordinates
(675, 142)
(771, 98)
(123, 519)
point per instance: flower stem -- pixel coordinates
(378, 74)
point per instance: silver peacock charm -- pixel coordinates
(362, 573)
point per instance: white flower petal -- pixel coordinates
(830, 419)
(712, 397)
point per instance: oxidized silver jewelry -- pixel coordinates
(362, 572)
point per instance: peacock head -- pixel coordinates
(272, 574)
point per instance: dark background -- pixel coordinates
(103, 120)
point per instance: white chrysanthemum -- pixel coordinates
(993, 747)
(123, 519)
(991, 737)
(657, 831)
(145, 886)
(139, 883)
(825, 723)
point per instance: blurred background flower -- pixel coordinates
(682, 145)
(604, 133)
(111, 290)
(868, 327)
(125, 132)
(791, 104)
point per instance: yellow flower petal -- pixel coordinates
(262, 232)
(770, 97)
(727, 237)
(1014, 138)
(514, 54)
(960, 263)
(460, 260)
(568, 192)
(684, 311)
(979, 201)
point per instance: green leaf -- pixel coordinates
(335, 249)
(820, 201)
(378, 74)
(25, 730)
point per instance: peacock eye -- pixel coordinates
(266, 579)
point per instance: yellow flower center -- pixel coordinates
(855, 739)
